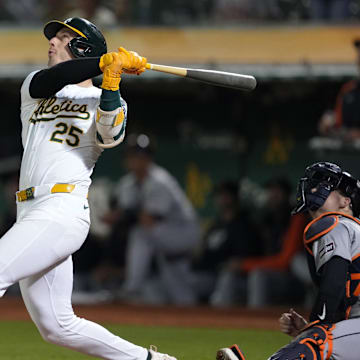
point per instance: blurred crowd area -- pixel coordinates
(149, 245)
(108, 13)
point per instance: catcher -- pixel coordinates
(332, 241)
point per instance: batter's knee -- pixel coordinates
(56, 331)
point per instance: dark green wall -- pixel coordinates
(205, 134)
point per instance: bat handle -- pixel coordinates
(167, 69)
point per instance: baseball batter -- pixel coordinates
(66, 124)
(332, 240)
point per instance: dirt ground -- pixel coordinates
(13, 308)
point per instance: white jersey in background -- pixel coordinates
(159, 194)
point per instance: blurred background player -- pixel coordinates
(164, 229)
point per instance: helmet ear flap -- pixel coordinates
(80, 47)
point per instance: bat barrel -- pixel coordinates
(221, 78)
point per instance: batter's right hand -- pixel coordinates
(291, 323)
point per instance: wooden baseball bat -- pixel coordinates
(220, 78)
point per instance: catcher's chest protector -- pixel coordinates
(314, 231)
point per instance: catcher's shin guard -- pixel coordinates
(231, 353)
(310, 345)
(296, 351)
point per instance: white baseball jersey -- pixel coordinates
(159, 194)
(58, 136)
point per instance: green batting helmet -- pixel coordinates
(90, 41)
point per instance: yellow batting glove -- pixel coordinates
(105, 60)
(133, 63)
(111, 65)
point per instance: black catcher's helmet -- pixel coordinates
(90, 41)
(319, 180)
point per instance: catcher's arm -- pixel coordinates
(328, 307)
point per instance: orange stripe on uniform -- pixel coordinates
(335, 213)
(355, 257)
(308, 241)
(330, 342)
(355, 276)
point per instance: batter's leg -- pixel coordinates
(47, 297)
(30, 247)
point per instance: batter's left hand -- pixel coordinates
(135, 63)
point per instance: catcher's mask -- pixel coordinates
(90, 42)
(319, 180)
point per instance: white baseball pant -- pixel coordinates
(36, 252)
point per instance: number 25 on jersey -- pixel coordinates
(69, 134)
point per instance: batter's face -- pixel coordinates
(58, 49)
(334, 202)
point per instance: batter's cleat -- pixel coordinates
(155, 355)
(231, 353)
